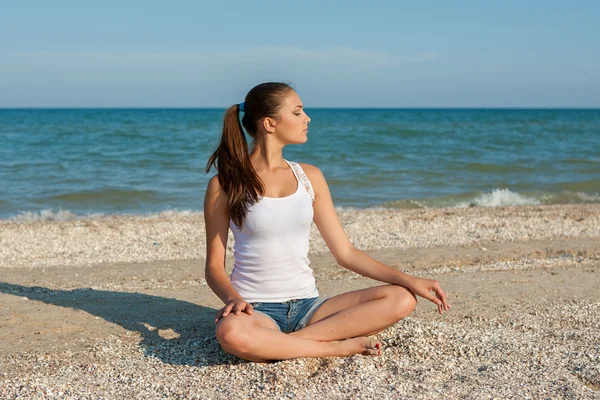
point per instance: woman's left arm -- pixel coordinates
(348, 256)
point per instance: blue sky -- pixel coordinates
(335, 53)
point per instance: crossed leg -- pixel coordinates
(256, 338)
(350, 315)
(362, 312)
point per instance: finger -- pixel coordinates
(227, 310)
(432, 298)
(441, 306)
(218, 315)
(439, 292)
(249, 309)
(446, 306)
(237, 308)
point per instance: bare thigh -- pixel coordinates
(356, 297)
(257, 319)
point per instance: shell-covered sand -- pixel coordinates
(171, 236)
(118, 308)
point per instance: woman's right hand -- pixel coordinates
(235, 306)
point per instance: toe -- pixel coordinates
(373, 347)
(374, 344)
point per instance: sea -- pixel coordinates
(58, 164)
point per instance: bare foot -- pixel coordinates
(362, 345)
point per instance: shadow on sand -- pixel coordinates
(174, 331)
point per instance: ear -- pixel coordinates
(269, 124)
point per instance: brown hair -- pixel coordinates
(236, 175)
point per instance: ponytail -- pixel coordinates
(236, 174)
(235, 171)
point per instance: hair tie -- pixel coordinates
(241, 105)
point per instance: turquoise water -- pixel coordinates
(138, 161)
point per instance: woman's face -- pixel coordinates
(292, 126)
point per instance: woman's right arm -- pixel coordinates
(216, 220)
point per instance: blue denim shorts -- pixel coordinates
(291, 315)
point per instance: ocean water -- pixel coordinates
(63, 163)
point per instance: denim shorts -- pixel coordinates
(291, 315)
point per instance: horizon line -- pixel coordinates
(313, 108)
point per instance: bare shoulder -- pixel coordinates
(215, 200)
(313, 173)
(214, 186)
(215, 194)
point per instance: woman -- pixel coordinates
(272, 307)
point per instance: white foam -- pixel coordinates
(345, 208)
(45, 215)
(589, 197)
(66, 215)
(500, 198)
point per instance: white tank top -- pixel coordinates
(271, 251)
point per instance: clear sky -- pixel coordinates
(335, 53)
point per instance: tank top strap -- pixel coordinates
(302, 178)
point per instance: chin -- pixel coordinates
(299, 140)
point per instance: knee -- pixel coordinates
(403, 302)
(231, 335)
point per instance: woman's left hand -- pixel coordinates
(423, 287)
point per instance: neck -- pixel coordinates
(267, 156)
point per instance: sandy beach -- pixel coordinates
(117, 308)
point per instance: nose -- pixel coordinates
(307, 119)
